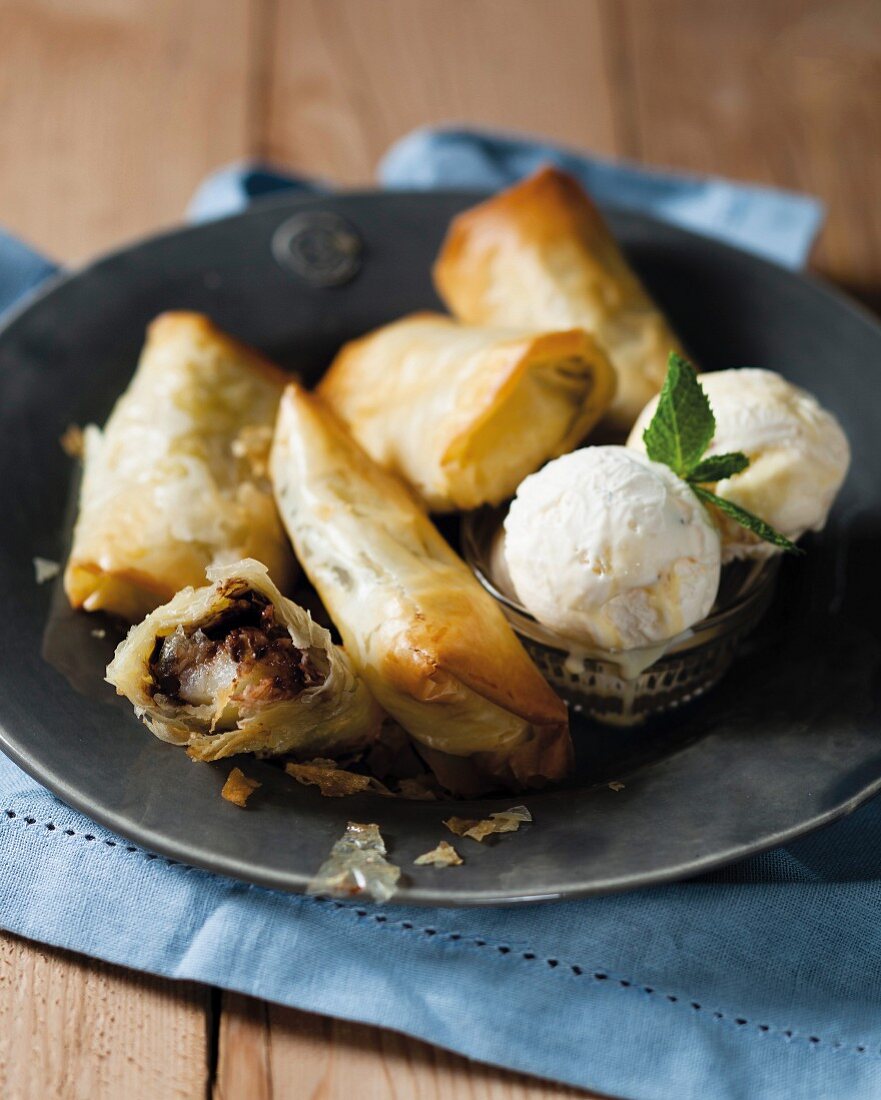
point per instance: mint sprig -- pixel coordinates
(680, 432)
(683, 425)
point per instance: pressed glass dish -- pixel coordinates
(627, 688)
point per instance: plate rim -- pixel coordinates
(191, 854)
(816, 282)
(294, 883)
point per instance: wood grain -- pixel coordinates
(349, 77)
(76, 1029)
(111, 111)
(782, 92)
(273, 1053)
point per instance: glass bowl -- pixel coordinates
(627, 688)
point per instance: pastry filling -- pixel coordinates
(243, 655)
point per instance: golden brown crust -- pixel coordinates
(440, 637)
(200, 328)
(465, 413)
(541, 253)
(170, 486)
(540, 210)
(440, 651)
(433, 645)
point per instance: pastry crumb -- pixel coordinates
(357, 865)
(444, 855)
(45, 569)
(238, 788)
(506, 821)
(331, 781)
(73, 441)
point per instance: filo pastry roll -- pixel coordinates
(541, 254)
(177, 479)
(235, 667)
(432, 645)
(465, 413)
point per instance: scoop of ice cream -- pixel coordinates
(611, 550)
(798, 455)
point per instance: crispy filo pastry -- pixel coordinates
(435, 649)
(177, 479)
(234, 667)
(465, 413)
(541, 254)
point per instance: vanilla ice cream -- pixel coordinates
(611, 550)
(798, 455)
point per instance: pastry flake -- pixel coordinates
(357, 865)
(505, 821)
(238, 788)
(444, 855)
(331, 780)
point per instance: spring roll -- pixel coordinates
(234, 667)
(177, 481)
(541, 254)
(434, 648)
(462, 413)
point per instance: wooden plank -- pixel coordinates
(783, 92)
(244, 1062)
(77, 1029)
(349, 77)
(274, 1053)
(111, 111)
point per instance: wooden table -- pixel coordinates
(111, 111)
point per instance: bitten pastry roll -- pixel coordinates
(233, 667)
(541, 254)
(177, 481)
(434, 648)
(464, 413)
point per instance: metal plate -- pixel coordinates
(790, 740)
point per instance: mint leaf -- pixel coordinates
(718, 467)
(683, 424)
(681, 430)
(746, 519)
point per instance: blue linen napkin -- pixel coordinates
(779, 225)
(759, 981)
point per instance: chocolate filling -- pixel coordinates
(268, 666)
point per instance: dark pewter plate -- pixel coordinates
(789, 741)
